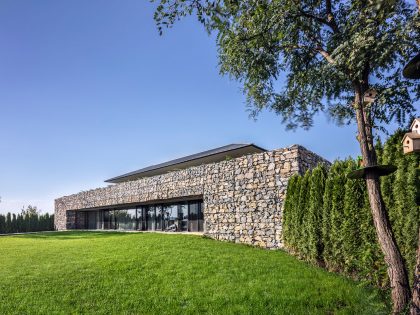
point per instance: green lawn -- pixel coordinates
(145, 273)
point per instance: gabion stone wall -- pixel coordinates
(243, 197)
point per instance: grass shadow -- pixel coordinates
(71, 235)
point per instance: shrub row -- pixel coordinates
(327, 219)
(29, 220)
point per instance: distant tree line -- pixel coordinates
(29, 220)
(327, 219)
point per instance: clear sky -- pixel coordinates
(89, 90)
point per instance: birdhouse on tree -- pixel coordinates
(411, 140)
(370, 96)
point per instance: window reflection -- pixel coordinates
(170, 218)
(183, 217)
(176, 217)
(193, 218)
(151, 218)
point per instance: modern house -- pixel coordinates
(235, 192)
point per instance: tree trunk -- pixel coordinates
(397, 273)
(415, 302)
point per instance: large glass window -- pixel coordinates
(181, 216)
(150, 218)
(193, 217)
(106, 224)
(92, 219)
(125, 219)
(119, 219)
(141, 222)
(158, 218)
(200, 217)
(196, 217)
(170, 218)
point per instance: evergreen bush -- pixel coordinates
(327, 218)
(30, 220)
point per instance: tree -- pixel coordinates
(314, 214)
(2, 224)
(332, 53)
(352, 221)
(336, 216)
(294, 210)
(302, 210)
(30, 210)
(326, 214)
(8, 222)
(288, 210)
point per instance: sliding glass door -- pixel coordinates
(170, 218)
(151, 219)
(183, 217)
(174, 217)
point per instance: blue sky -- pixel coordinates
(89, 90)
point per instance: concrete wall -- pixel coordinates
(243, 197)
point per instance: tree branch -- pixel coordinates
(325, 54)
(330, 16)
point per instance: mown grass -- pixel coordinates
(146, 273)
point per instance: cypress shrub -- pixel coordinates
(8, 222)
(392, 153)
(292, 213)
(313, 222)
(410, 222)
(399, 191)
(288, 210)
(337, 230)
(295, 217)
(354, 203)
(301, 233)
(371, 264)
(336, 215)
(26, 222)
(326, 239)
(2, 224)
(14, 227)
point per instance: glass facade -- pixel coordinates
(171, 217)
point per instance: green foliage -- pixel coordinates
(288, 211)
(371, 265)
(405, 212)
(293, 215)
(302, 211)
(336, 215)
(352, 221)
(342, 236)
(326, 239)
(313, 220)
(324, 51)
(410, 227)
(29, 220)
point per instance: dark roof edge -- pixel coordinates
(187, 160)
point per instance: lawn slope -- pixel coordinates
(147, 273)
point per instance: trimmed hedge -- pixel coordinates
(327, 219)
(26, 221)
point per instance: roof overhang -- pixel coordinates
(211, 156)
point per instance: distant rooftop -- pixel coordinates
(205, 157)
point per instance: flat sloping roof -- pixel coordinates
(205, 157)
